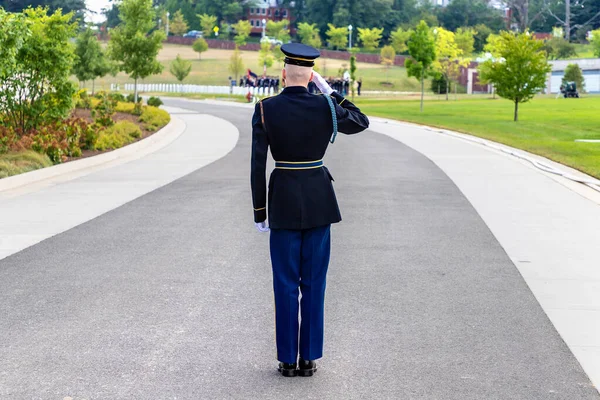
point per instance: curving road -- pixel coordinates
(169, 296)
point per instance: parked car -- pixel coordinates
(273, 41)
(194, 34)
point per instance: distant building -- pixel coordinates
(267, 10)
(591, 74)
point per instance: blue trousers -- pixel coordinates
(300, 259)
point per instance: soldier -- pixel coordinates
(302, 203)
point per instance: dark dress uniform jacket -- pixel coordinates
(298, 126)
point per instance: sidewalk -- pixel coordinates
(37, 211)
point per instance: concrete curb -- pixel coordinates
(135, 150)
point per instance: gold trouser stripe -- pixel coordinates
(342, 101)
(260, 209)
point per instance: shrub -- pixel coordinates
(125, 108)
(154, 118)
(154, 102)
(118, 135)
(131, 98)
(82, 99)
(99, 95)
(18, 163)
(116, 96)
(438, 84)
(104, 111)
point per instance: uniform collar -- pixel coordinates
(295, 89)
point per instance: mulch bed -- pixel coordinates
(86, 115)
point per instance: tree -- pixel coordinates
(352, 72)
(178, 24)
(465, 40)
(13, 31)
(387, 56)
(34, 82)
(279, 30)
(265, 55)
(132, 46)
(447, 55)
(242, 31)
(200, 46)
(399, 38)
(421, 47)
(482, 32)
(338, 37)
(559, 48)
(595, 41)
(309, 34)
(180, 68)
(236, 64)
(75, 7)
(519, 72)
(470, 13)
(89, 56)
(207, 23)
(370, 37)
(573, 74)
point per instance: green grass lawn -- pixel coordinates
(213, 69)
(584, 51)
(547, 126)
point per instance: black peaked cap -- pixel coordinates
(300, 54)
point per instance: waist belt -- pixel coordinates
(298, 165)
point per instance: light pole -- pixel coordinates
(264, 25)
(350, 35)
(167, 24)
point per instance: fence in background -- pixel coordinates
(201, 89)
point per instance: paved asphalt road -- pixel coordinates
(169, 296)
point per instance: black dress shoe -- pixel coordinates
(307, 368)
(288, 370)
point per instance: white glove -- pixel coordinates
(321, 83)
(262, 226)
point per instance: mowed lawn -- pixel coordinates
(213, 69)
(546, 126)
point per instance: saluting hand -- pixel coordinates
(321, 83)
(262, 226)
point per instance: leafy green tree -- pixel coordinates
(353, 71)
(309, 34)
(470, 13)
(595, 41)
(447, 53)
(518, 72)
(200, 46)
(89, 56)
(279, 30)
(236, 63)
(388, 57)
(242, 31)
(265, 55)
(399, 38)
(421, 47)
(178, 25)
(465, 40)
(43, 60)
(559, 48)
(574, 74)
(278, 54)
(207, 23)
(338, 37)
(132, 46)
(482, 32)
(75, 7)
(369, 38)
(13, 31)
(180, 68)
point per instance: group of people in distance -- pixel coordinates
(264, 82)
(340, 85)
